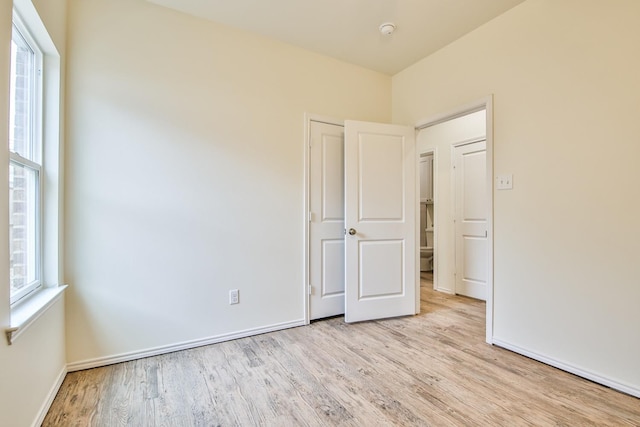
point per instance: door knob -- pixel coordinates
(352, 231)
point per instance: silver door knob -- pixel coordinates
(352, 231)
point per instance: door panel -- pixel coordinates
(471, 220)
(474, 185)
(333, 269)
(381, 192)
(380, 208)
(332, 146)
(326, 227)
(475, 267)
(381, 268)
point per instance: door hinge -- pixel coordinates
(310, 290)
(310, 216)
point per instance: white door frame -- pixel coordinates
(481, 104)
(308, 118)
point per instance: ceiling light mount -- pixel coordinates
(387, 28)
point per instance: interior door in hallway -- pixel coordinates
(380, 219)
(471, 219)
(326, 228)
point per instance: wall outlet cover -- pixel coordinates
(234, 296)
(504, 182)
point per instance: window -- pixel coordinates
(25, 168)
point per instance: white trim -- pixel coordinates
(305, 218)
(308, 118)
(489, 146)
(27, 311)
(28, 13)
(468, 141)
(485, 103)
(186, 345)
(24, 162)
(50, 396)
(461, 111)
(436, 215)
(581, 372)
(52, 174)
(324, 119)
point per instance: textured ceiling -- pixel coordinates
(348, 29)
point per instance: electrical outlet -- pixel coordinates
(504, 182)
(234, 296)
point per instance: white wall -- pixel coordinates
(564, 75)
(439, 139)
(185, 175)
(33, 366)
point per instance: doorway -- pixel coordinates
(441, 134)
(426, 228)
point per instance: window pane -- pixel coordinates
(21, 108)
(23, 207)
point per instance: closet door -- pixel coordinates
(326, 225)
(471, 219)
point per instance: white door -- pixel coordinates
(471, 219)
(326, 227)
(380, 220)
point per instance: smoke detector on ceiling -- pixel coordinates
(387, 28)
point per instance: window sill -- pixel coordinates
(27, 312)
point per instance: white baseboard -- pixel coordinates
(597, 378)
(125, 357)
(50, 396)
(445, 291)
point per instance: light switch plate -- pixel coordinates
(504, 182)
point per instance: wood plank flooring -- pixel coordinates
(433, 369)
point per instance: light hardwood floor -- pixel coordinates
(431, 369)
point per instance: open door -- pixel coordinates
(471, 219)
(380, 221)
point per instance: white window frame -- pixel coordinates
(35, 163)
